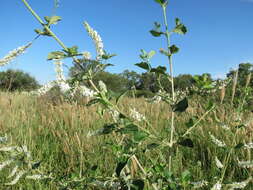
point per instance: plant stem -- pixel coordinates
(44, 25)
(167, 34)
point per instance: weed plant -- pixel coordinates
(172, 141)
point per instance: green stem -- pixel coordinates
(44, 25)
(167, 34)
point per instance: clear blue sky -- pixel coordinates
(220, 33)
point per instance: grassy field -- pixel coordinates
(56, 135)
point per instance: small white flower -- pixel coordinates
(245, 164)
(199, 184)
(217, 186)
(86, 92)
(8, 149)
(96, 39)
(44, 89)
(248, 146)
(37, 177)
(16, 179)
(86, 55)
(5, 163)
(59, 71)
(3, 139)
(13, 54)
(64, 87)
(217, 141)
(136, 115)
(238, 185)
(13, 172)
(114, 114)
(102, 86)
(218, 163)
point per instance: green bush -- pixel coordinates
(17, 80)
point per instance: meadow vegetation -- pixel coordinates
(154, 132)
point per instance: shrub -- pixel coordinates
(13, 80)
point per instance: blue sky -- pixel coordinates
(219, 38)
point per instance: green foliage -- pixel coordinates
(13, 80)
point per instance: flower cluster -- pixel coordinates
(136, 115)
(13, 54)
(96, 39)
(217, 141)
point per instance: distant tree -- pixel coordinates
(243, 71)
(12, 80)
(133, 78)
(148, 81)
(183, 81)
(114, 82)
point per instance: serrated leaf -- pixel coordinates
(56, 55)
(143, 65)
(174, 49)
(181, 106)
(186, 143)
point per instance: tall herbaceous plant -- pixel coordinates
(145, 157)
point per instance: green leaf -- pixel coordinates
(44, 32)
(186, 142)
(106, 56)
(120, 167)
(156, 33)
(173, 49)
(52, 20)
(164, 52)
(186, 176)
(159, 70)
(129, 129)
(92, 102)
(56, 55)
(239, 145)
(72, 51)
(162, 2)
(121, 95)
(143, 65)
(180, 28)
(139, 136)
(191, 122)
(152, 146)
(151, 54)
(181, 106)
(137, 184)
(36, 165)
(107, 129)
